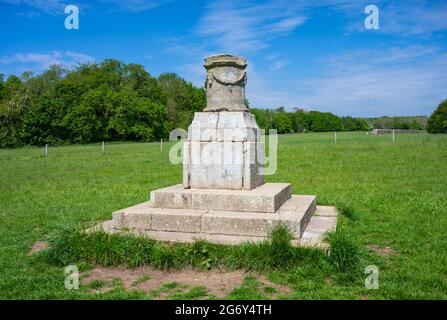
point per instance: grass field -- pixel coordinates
(394, 199)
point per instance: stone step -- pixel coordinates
(266, 198)
(323, 221)
(209, 224)
(313, 235)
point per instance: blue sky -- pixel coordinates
(311, 54)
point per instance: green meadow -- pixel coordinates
(392, 198)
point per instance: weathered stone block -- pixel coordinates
(326, 211)
(265, 198)
(237, 126)
(223, 152)
(177, 220)
(162, 198)
(203, 127)
(227, 227)
(223, 165)
(253, 174)
(237, 223)
(305, 205)
(133, 217)
(216, 165)
(225, 83)
(224, 126)
(186, 158)
(323, 221)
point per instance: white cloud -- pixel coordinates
(413, 17)
(247, 26)
(137, 5)
(393, 81)
(54, 7)
(243, 26)
(184, 46)
(275, 61)
(279, 64)
(38, 62)
(286, 25)
(402, 18)
(400, 79)
(30, 14)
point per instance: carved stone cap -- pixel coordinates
(221, 60)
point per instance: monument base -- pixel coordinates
(268, 197)
(215, 223)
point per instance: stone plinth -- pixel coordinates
(176, 214)
(223, 151)
(267, 198)
(227, 227)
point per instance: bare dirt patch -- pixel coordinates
(385, 251)
(38, 246)
(217, 283)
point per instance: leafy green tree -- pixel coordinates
(87, 122)
(353, 124)
(263, 118)
(437, 123)
(302, 121)
(12, 110)
(183, 99)
(298, 121)
(109, 100)
(323, 121)
(282, 123)
(41, 123)
(134, 117)
(143, 83)
(414, 125)
(398, 124)
(2, 81)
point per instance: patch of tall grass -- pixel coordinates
(345, 254)
(72, 244)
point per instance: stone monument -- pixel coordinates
(223, 198)
(224, 150)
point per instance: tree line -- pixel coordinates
(405, 123)
(111, 100)
(94, 102)
(438, 120)
(302, 121)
